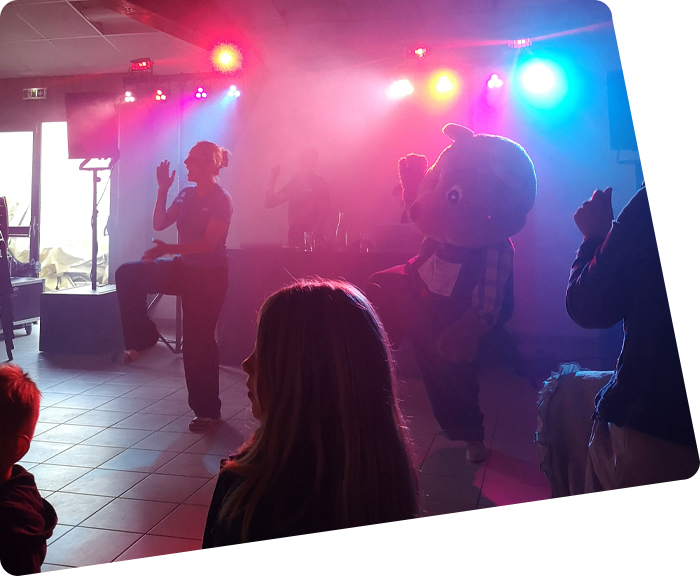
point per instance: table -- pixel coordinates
(257, 272)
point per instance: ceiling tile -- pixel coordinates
(55, 20)
(40, 56)
(93, 53)
(12, 27)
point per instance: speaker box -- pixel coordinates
(81, 321)
(631, 110)
(93, 125)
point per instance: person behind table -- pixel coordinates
(331, 450)
(26, 519)
(308, 197)
(199, 274)
(642, 429)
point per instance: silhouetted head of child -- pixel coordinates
(19, 412)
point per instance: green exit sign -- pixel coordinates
(35, 93)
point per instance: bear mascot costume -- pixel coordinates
(460, 285)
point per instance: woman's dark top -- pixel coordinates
(274, 550)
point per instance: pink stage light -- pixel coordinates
(200, 93)
(160, 95)
(129, 97)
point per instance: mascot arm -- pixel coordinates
(412, 169)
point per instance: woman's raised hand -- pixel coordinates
(164, 177)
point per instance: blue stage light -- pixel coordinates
(542, 83)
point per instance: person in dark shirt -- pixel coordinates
(331, 450)
(308, 197)
(629, 498)
(199, 274)
(26, 519)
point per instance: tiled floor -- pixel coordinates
(112, 452)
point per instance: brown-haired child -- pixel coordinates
(26, 519)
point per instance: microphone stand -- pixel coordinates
(95, 180)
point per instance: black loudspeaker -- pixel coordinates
(93, 125)
(631, 110)
(80, 321)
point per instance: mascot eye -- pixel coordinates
(454, 195)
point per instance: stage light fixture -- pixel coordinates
(524, 43)
(234, 92)
(226, 58)
(129, 96)
(420, 52)
(201, 93)
(141, 65)
(494, 82)
(400, 89)
(161, 95)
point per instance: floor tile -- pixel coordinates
(202, 497)
(40, 451)
(54, 477)
(89, 456)
(223, 441)
(165, 488)
(72, 509)
(49, 399)
(97, 377)
(101, 418)
(168, 441)
(54, 415)
(58, 531)
(149, 391)
(69, 433)
(109, 389)
(139, 460)
(105, 482)
(46, 567)
(199, 465)
(187, 521)
(123, 404)
(165, 406)
(178, 425)
(129, 515)
(115, 437)
(159, 555)
(83, 401)
(503, 493)
(141, 421)
(89, 546)
(72, 387)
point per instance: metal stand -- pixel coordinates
(177, 348)
(95, 180)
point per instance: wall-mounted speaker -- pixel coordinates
(93, 125)
(631, 110)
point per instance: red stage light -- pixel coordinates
(141, 65)
(226, 58)
(420, 52)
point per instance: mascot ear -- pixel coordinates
(457, 132)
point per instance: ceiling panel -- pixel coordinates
(55, 20)
(93, 54)
(40, 56)
(13, 28)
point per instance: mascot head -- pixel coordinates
(478, 192)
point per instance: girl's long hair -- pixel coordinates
(326, 382)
